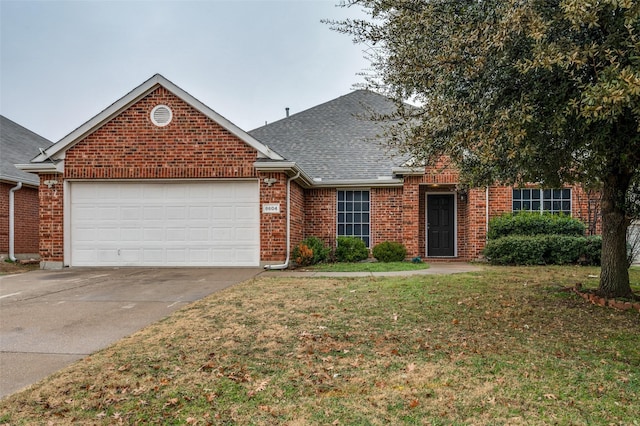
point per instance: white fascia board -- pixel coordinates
(289, 167)
(42, 167)
(355, 183)
(408, 171)
(56, 150)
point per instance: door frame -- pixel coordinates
(455, 222)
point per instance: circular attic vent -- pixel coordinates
(161, 115)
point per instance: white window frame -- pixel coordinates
(346, 212)
(548, 195)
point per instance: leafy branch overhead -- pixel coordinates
(514, 91)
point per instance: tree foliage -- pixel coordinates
(515, 91)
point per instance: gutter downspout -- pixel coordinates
(285, 265)
(12, 230)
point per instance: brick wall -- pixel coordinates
(320, 214)
(26, 219)
(273, 226)
(386, 215)
(51, 220)
(130, 146)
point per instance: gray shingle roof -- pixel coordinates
(336, 140)
(18, 145)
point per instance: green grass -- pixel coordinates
(502, 346)
(368, 267)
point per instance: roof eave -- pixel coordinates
(57, 150)
(408, 171)
(352, 183)
(288, 167)
(42, 167)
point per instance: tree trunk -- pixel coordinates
(614, 275)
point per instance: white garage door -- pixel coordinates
(165, 224)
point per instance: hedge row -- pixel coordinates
(544, 250)
(531, 223)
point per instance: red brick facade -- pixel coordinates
(26, 220)
(193, 146)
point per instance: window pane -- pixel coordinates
(516, 194)
(535, 206)
(353, 214)
(517, 205)
(546, 194)
(535, 194)
(526, 205)
(566, 206)
(566, 194)
(556, 206)
(547, 206)
(557, 193)
(526, 194)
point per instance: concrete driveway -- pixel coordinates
(49, 319)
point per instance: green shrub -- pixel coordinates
(389, 251)
(592, 251)
(563, 249)
(351, 249)
(543, 249)
(515, 250)
(310, 251)
(533, 223)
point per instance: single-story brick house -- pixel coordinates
(160, 179)
(19, 217)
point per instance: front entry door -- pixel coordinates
(440, 225)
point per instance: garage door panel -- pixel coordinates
(158, 224)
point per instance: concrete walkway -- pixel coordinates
(434, 269)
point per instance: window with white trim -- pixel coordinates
(542, 200)
(354, 214)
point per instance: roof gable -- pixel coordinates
(57, 151)
(18, 145)
(337, 140)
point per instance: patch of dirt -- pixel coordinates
(8, 267)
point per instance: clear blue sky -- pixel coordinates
(62, 62)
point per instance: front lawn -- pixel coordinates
(501, 346)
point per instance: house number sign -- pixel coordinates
(271, 208)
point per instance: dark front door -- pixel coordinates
(440, 225)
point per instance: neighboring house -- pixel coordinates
(160, 179)
(633, 239)
(18, 145)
